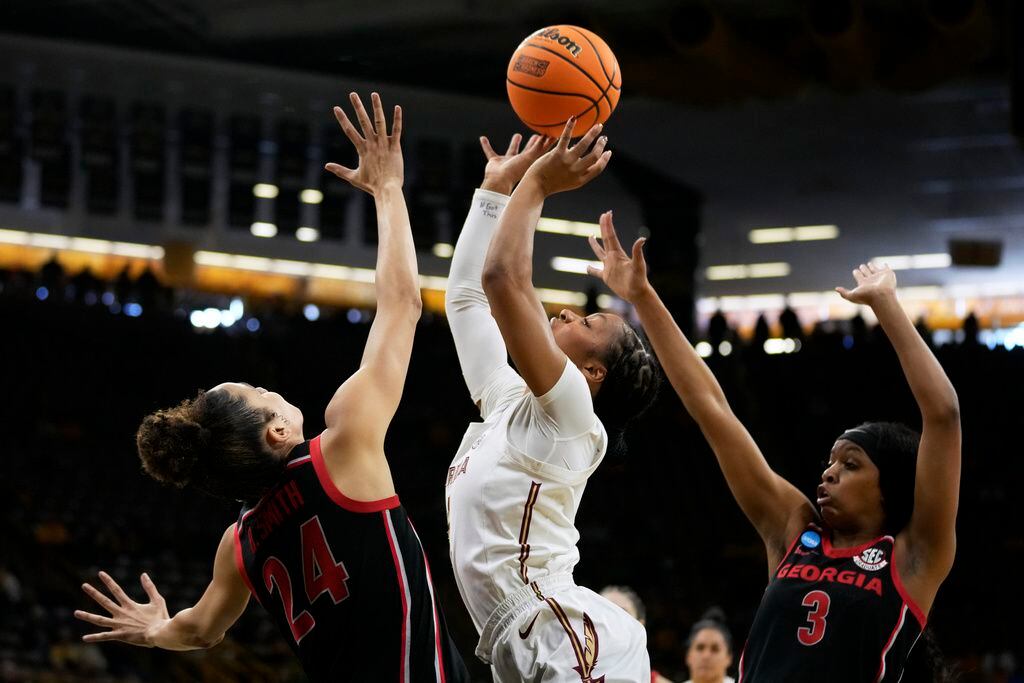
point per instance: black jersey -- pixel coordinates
(832, 614)
(346, 582)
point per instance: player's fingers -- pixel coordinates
(380, 122)
(346, 127)
(843, 292)
(599, 251)
(598, 167)
(150, 588)
(595, 152)
(396, 124)
(101, 599)
(342, 172)
(361, 115)
(583, 146)
(638, 251)
(513, 145)
(485, 145)
(595, 272)
(106, 635)
(96, 619)
(114, 588)
(608, 234)
(563, 139)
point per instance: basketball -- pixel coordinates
(563, 71)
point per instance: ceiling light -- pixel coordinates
(264, 190)
(310, 196)
(261, 229)
(566, 264)
(564, 227)
(443, 250)
(801, 233)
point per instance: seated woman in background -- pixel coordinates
(709, 649)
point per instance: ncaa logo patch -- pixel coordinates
(810, 539)
(871, 560)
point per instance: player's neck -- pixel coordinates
(852, 539)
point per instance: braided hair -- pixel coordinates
(629, 387)
(214, 443)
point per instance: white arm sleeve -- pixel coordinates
(481, 350)
(560, 427)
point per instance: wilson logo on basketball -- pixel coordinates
(552, 34)
(531, 66)
(871, 560)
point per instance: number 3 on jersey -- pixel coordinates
(320, 572)
(818, 602)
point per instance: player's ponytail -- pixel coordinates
(629, 388)
(214, 443)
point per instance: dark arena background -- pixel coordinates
(166, 225)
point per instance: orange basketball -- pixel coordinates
(563, 71)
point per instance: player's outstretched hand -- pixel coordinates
(566, 168)
(626, 275)
(380, 154)
(503, 171)
(874, 282)
(129, 621)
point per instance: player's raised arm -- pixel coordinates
(774, 506)
(508, 272)
(359, 413)
(931, 533)
(481, 351)
(149, 625)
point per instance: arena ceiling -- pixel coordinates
(892, 119)
(725, 51)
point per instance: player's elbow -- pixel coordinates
(203, 641)
(407, 302)
(499, 277)
(944, 413)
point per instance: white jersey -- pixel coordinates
(515, 485)
(512, 493)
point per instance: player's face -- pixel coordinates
(849, 496)
(708, 657)
(583, 339)
(258, 397)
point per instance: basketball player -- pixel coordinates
(321, 541)
(853, 578)
(709, 649)
(516, 481)
(628, 599)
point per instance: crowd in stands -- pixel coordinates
(78, 374)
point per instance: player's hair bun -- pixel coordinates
(170, 443)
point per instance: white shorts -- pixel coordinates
(572, 636)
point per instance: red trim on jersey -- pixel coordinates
(240, 563)
(739, 675)
(337, 496)
(299, 461)
(850, 552)
(400, 575)
(888, 644)
(898, 582)
(433, 606)
(789, 550)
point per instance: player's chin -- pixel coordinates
(830, 514)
